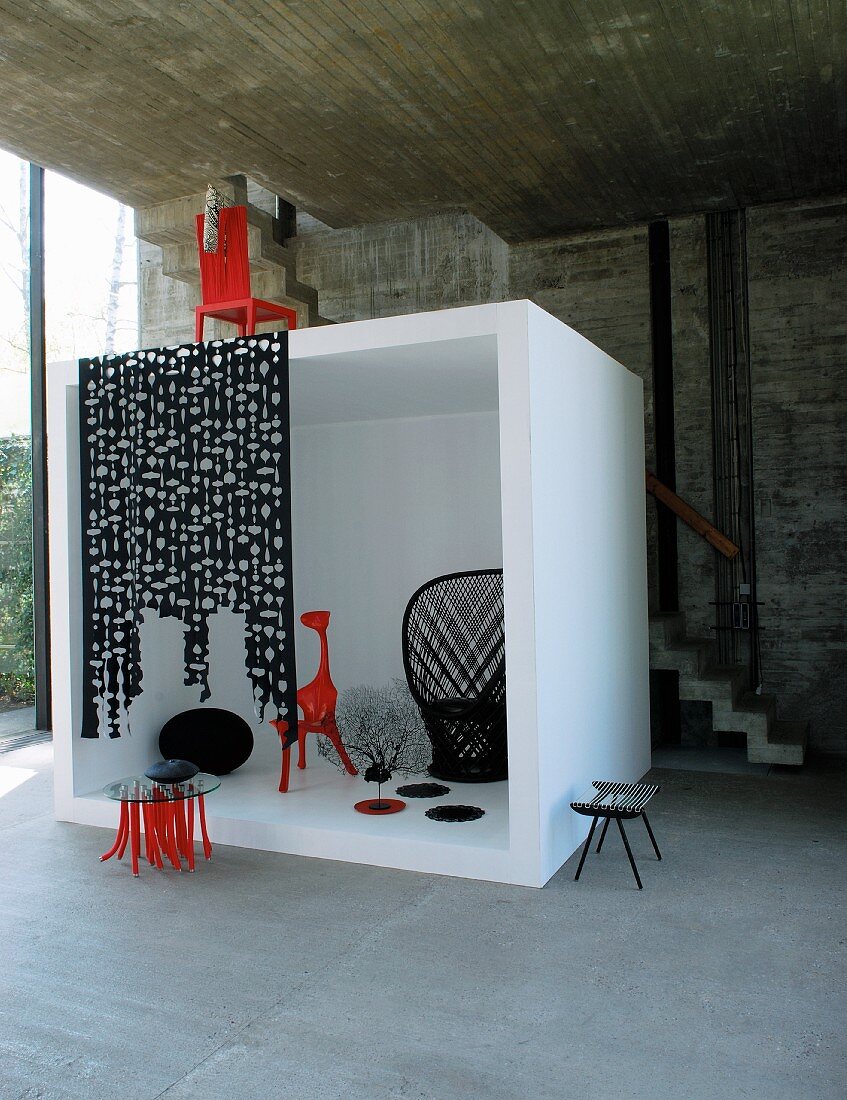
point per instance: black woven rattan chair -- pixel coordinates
(454, 653)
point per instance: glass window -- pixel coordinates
(17, 678)
(91, 287)
(91, 307)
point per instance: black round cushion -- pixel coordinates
(171, 771)
(217, 741)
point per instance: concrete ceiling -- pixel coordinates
(538, 116)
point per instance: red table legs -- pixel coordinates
(157, 815)
(163, 811)
(207, 844)
(154, 856)
(189, 820)
(179, 823)
(156, 821)
(169, 810)
(168, 832)
(134, 835)
(120, 839)
(145, 817)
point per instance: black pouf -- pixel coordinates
(423, 790)
(454, 813)
(171, 771)
(217, 741)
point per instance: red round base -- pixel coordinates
(386, 806)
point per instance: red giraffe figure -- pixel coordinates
(317, 702)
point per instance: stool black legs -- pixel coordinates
(652, 838)
(629, 853)
(624, 838)
(587, 846)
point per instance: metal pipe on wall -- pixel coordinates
(732, 438)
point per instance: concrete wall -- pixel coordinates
(797, 271)
(404, 267)
(798, 326)
(165, 306)
(598, 283)
(692, 417)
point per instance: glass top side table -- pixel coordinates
(167, 810)
(138, 788)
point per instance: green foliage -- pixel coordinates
(17, 660)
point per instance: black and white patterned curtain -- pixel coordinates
(186, 510)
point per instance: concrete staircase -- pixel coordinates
(735, 708)
(171, 226)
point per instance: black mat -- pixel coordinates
(423, 790)
(454, 813)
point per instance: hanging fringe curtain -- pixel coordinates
(214, 201)
(185, 509)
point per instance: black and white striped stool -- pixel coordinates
(618, 801)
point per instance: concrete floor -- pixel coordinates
(16, 720)
(273, 976)
(701, 759)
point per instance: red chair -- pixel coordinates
(317, 702)
(225, 279)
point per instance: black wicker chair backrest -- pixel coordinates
(454, 654)
(454, 644)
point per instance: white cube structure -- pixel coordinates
(421, 445)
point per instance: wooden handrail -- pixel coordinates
(690, 516)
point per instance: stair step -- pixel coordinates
(753, 724)
(786, 744)
(752, 715)
(665, 627)
(300, 292)
(171, 226)
(735, 709)
(751, 703)
(787, 731)
(172, 222)
(691, 657)
(719, 683)
(179, 261)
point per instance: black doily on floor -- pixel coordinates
(454, 813)
(423, 790)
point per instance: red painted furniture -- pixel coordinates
(167, 810)
(225, 279)
(317, 702)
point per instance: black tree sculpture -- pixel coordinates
(384, 734)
